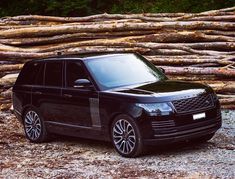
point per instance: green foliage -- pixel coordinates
(15, 7)
(88, 7)
(68, 8)
(133, 6)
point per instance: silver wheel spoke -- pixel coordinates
(36, 133)
(132, 136)
(130, 132)
(119, 126)
(131, 141)
(29, 128)
(129, 145)
(38, 127)
(31, 115)
(117, 142)
(127, 149)
(124, 125)
(28, 119)
(122, 146)
(116, 130)
(31, 133)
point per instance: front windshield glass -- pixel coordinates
(123, 70)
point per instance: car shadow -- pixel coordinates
(177, 148)
(170, 149)
(82, 141)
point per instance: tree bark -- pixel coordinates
(228, 18)
(207, 13)
(71, 51)
(10, 67)
(72, 37)
(199, 71)
(55, 30)
(186, 61)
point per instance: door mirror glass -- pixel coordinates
(162, 70)
(81, 83)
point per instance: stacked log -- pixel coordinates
(197, 47)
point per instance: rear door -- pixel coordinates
(46, 93)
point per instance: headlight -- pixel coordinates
(156, 109)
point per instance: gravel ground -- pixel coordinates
(78, 158)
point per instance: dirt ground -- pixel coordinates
(66, 157)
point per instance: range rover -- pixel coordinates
(122, 98)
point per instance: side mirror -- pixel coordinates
(81, 83)
(162, 69)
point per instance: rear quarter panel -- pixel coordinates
(21, 98)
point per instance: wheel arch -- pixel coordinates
(112, 119)
(25, 108)
(113, 116)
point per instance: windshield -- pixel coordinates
(123, 70)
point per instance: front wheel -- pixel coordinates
(34, 126)
(126, 136)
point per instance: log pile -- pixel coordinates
(193, 47)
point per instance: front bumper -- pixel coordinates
(171, 129)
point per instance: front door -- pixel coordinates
(80, 105)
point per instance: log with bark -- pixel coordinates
(197, 47)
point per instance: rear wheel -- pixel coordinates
(34, 126)
(126, 136)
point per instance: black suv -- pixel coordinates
(121, 98)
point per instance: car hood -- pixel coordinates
(167, 90)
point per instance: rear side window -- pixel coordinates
(29, 73)
(53, 74)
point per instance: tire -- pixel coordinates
(126, 137)
(34, 127)
(204, 139)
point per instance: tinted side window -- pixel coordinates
(74, 71)
(53, 74)
(29, 73)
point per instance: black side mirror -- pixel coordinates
(162, 69)
(81, 83)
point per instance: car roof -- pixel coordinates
(82, 57)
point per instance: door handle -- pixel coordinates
(68, 95)
(37, 92)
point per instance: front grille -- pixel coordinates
(160, 127)
(163, 124)
(193, 104)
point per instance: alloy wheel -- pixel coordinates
(33, 127)
(124, 136)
